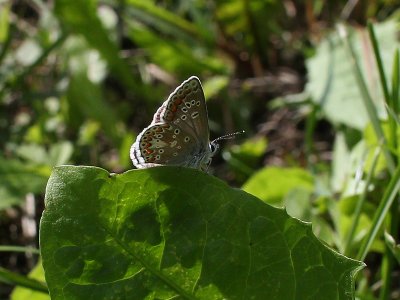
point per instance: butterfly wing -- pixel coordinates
(179, 133)
(186, 108)
(164, 144)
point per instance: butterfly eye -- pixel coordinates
(184, 109)
(186, 139)
(193, 102)
(188, 105)
(176, 131)
(198, 103)
(214, 147)
(161, 151)
(183, 117)
(195, 115)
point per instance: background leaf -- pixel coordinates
(18, 179)
(272, 184)
(332, 84)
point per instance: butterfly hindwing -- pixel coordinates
(163, 144)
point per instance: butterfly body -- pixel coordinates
(179, 132)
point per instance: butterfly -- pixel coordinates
(179, 134)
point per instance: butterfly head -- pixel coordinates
(214, 147)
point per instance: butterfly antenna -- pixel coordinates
(228, 136)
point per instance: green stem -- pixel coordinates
(7, 248)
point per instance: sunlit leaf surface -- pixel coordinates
(175, 232)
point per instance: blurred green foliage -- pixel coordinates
(78, 82)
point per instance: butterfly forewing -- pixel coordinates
(186, 108)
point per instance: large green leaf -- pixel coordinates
(171, 232)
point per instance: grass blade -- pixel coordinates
(381, 212)
(10, 248)
(379, 63)
(9, 277)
